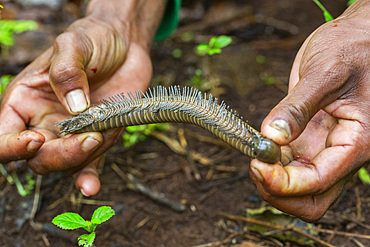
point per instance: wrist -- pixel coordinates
(136, 20)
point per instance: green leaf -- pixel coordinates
(222, 41)
(69, 221)
(96, 221)
(103, 213)
(364, 175)
(212, 42)
(86, 239)
(328, 16)
(82, 240)
(214, 51)
(9, 27)
(202, 49)
(90, 239)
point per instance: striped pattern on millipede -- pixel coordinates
(173, 104)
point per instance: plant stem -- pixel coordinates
(320, 6)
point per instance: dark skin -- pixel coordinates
(97, 56)
(323, 124)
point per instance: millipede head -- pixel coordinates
(267, 150)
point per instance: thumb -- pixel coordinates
(67, 72)
(317, 79)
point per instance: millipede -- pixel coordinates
(175, 104)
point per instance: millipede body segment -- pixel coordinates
(173, 104)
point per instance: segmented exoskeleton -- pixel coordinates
(172, 104)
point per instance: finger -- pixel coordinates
(309, 208)
(65, 153)
(67, 72)
(87, 179)
(72, 153)
(18, 146)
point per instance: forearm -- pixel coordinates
(136, 19)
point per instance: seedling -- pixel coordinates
(13, 179)
(327, 15)
(350, 2)
(72, 221)
(211, 81)
(364, 175)
(7, 30)
(4, 81)
(214, 46)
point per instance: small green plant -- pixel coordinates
(4, 81)
(28, 188)
(177, 53)
(350, 2)
(214, 46)
(7, 30)
(13, 179)
(364, 175)
(327, 15)
(72, 221)
(211, 81)
(137, 133)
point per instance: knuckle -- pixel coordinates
(300, 113)
(64, 72)
(65, 38)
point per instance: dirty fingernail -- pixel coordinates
(76, 101)
(278, 131)
(257, 173)
(89, 144)
(33, 145)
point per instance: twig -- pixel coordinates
(92, 202)
(142, 222)
(176, 147)
(164, 174)
(36, 200)
(184, 144)
(347, 234)
(135, 185)
(358, 243)
(273, 226)
(227, 239)
(206, 139)
(358, 204)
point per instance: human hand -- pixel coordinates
(95, 58)
(323, 124)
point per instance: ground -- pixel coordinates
(253, 73)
